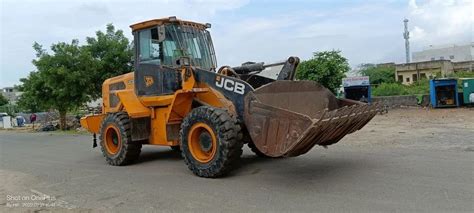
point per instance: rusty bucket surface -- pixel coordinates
(288, 118)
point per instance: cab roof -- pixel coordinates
(162, 21)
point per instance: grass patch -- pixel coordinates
(421, 87)
(392, 89)
(389, 89)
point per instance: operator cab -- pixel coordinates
(165, 41)
(162, 46)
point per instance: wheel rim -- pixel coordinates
(202, 142)
(113, 141)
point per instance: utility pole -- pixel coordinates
(406, 35)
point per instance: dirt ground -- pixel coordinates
(408, 160)
(450, 128)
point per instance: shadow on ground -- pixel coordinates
(299, 170)
(158, 154)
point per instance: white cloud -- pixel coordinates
(412, 5)
(441, 21)
(417, 34)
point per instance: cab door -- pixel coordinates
(151, 77)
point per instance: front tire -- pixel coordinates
(211, 141)
(116, 140)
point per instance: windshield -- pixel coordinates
(179, 41)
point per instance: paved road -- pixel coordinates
(345, 177)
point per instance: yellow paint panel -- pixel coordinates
(164, 100)
(132, 104)
(214, 98)
(126, 79)
(159, 135)
(92, 123)
(181, 106)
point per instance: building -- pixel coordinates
(386, 65)
(463, 66)
(410, 72)
(454, 53)
(11, 93)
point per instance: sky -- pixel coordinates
(366, 31)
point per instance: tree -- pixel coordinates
(72, 75)
(62, 80)
(378, 74)
(33, 89)
(3, 100)
(327, 68)
(112, 54)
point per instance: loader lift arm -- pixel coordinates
(249, 71)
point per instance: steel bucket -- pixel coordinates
(288, 118)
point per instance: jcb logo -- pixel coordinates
(148, 81)
(230, 85)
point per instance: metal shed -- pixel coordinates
(444, 92)
(468, 90)
(357, 88)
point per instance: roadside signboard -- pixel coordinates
(356, 81)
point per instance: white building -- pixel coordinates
(454, 53)
(11, 93)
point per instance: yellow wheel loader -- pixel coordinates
(176, 97)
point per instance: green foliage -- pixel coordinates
(33, 89)
(462, 74)
(378, 74)
(62, 80)
(327, 68)
(112, 54)
(419, 87)
(3, 100)
(391, 89)
(72, 75)
(10, 109)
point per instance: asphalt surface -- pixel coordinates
(355, 175)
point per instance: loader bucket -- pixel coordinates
(288, 118)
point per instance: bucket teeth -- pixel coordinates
(284, 128)
(333, 127)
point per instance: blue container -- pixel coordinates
(444, 93)
(359, 93)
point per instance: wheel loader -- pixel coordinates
(177, 97)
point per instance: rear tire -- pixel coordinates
(116, 140)
(211, 141)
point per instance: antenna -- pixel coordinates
(406, 36)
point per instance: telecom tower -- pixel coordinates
(406, 35)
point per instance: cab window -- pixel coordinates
(149, 46)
